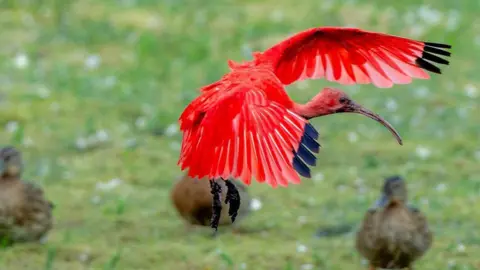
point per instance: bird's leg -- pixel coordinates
(216, 191)
(233, 199)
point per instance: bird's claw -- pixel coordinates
(233, 199)
(216, 191)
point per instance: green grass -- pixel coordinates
(79, 126)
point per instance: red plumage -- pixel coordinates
(246, 125)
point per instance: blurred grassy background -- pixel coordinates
(91, 91)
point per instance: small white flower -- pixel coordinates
(131, 142)
(171, 130)
(477, 155)
(461, 248)
(43, 92)
(421, 111)
(362, 190)
(101, 135)
(441, 187)
(154, 22)
(113, 183)
(353, 170)
(391, 105)
(462, 112)
(307, 266)
(246, 50)
(422, 92)
(359, 181)
(11, 126)
(243, 265)
(141, 122)
(110, 81)
(352, 137)
(471, 90)
(417, 30)
(396, 119)
(276, 15)
(27, 141)
(302, 220)
(301, 248)
(429, 15)
(92, 61)
(425, 201)
(175, 146)
(54, 106)
(423, 152)
(21, 61)
(255, 204)
(147, 109)
(453, 20)
(96, 199)
(302, 84)
(84, 256)
(318, 177)
(81, 143)
(451, 263)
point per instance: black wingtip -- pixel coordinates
(434, 58)
(301, 167)
(436, 51)
(304, 154)
(430, 56)
(427, 66)
(438, 45)
(311, 131)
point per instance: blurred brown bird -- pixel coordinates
(193, 200)
(393, 235)
(25, 214)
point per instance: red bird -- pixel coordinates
(245, 124)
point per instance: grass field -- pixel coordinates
(91, 90)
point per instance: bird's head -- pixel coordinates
(394, 189)
(10, 162)
(331, 100)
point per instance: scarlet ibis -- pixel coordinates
(25, 213)
(245, 124)
(393, 235)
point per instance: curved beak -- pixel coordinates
(353, 107)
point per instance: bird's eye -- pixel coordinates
(343, 100)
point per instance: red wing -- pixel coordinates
(246, 135)
(350, 56)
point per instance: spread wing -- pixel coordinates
(245, 134)
(351, 56)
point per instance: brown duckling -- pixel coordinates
(25, 214)
(393, 235)
(192, 198)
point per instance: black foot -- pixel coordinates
(216, 191)
(233, 198)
